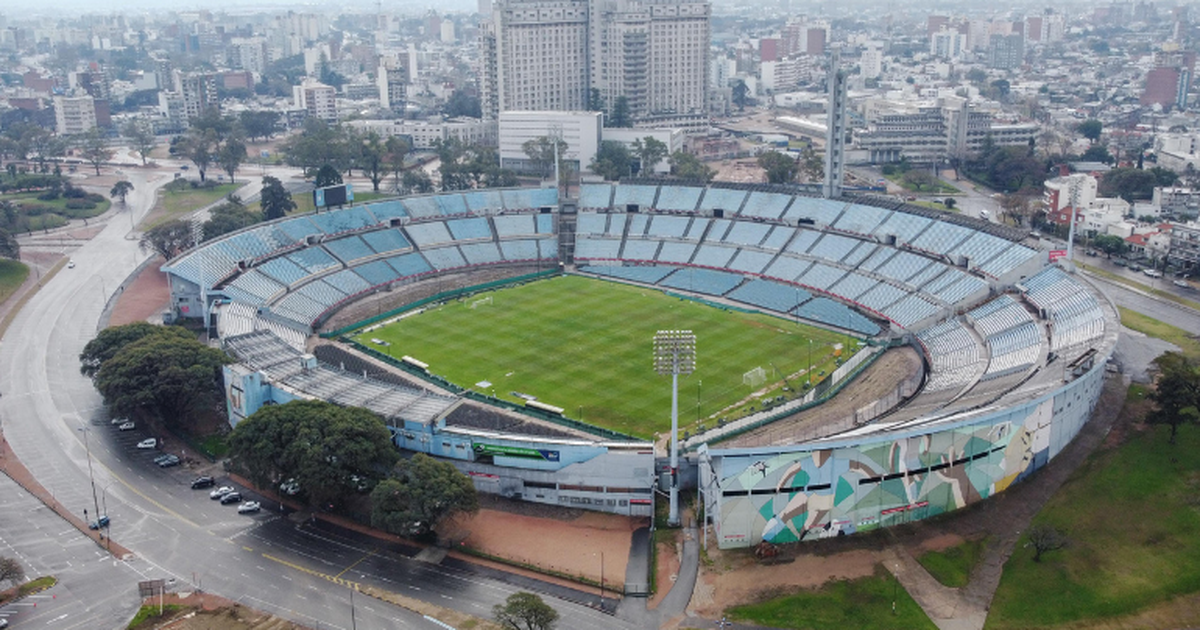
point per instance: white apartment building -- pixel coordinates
(948, 44)
(74, 115)
(540, 55)
(580, 130)
(248, 53)
(316, 98)
(1058, 191)
(872, 60)
(423, 134)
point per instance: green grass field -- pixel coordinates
(587, 346)
(952, 567)
(1131, 517)
(862, 603)
(12, 275)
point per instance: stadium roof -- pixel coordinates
(284, 365)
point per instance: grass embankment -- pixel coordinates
(1166, 295)
(937, 187)
(952, 567)
(173, 204)
(586, 345)
(12, 274)
(47, 214)
(1149, 326)
(862, 603)
(1130, 515)
(150, 616)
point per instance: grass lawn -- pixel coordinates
(936, 205)
(586, 345)
(1130, 515)
(173, 204)
(952, 567)
(51, 213)
(12, 274)
(1166, 295)
(938, 188)
(1161, 330)
(863, 603)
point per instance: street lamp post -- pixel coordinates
(91, 478)
(674, 354)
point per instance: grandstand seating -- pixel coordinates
(386, 241)
(821, 276)
(343, 220)
(713, 255)
(863, 251)
(641, 196)
(321, 292)
(525, 249)
(804, 240)
(597, 248)
(852, 285)
(640, 250)
(832, 247)
(747, 233)
(778, 237)
(298, 228)
(422, 207)
(481, 201)
(1007, 260)
(283, 270)
(749, 261)
(428, 234)
(822, 212)
(678, 198)
(677, 253)
(256, 284)
(787, 268)
(941, 238)
(861, 219)
(387, 210)
(722, 199)
(828, 312)
(350, 249)
(530, 199)
(347, 281)
(705, 281)
(481, 253)
(443, 258)
(591, 223)
(955, 356)
(252, 245)
(1014, 350)
(616, 224)
(299, 308)
(451, 204)
(314, 259)
(910, 310)
(880, 296)
(377, 272)
(903, 226)
(545, 224)
(773, 296)
(646, 275)
(409, 265)
(637, 224)
(548, 248)
(469, 229)
(766, 205)
(668, 226)
(510, 225)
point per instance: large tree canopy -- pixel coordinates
(168, 239)
(687, 166)
(612, 160)
(111, 340)
(421, 493)
(525, 611)
(318, 444)
(230, 216)
(172, 377)
(780, 168)
(1176, 393)
(276, 201)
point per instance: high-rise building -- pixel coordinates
(316, 98)
(540, 55)
(74, 115)
(392, 79)
(1007, 52)
(199, 92)
(947, 44)
(872, 60)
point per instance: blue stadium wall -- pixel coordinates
(818, 490)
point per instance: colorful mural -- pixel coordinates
(884, 479)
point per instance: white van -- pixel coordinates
(983, 214)
(1153, 273)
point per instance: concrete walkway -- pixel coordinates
(675, 603)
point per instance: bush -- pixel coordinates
(35, 209)
(95, 197)
(79, 204)
(71, 192)
(177, 185)
(49, 195)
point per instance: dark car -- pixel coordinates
(203, 482)
(102, 522)
(168, 461)
(232, 497)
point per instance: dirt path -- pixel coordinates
(144, 298)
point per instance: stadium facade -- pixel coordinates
(1012, 347)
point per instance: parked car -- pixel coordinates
(119, 421)
(248, 507)
(1182, 284)
(148, 443)
(290, 487)
(232, 497)
(220, 492)
(97, 524)
(127, 426)
(162, 458)
(168, 461)
(203, 482)
(1118, 262)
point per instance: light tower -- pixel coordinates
(836, 127)
(674, 354)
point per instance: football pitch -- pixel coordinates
(586, 345)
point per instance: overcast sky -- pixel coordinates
(14, 10)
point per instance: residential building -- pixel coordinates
(1185, 245)
(1006, 52)
(249, 54)
(74, 115)
(174, 117)
(948, 44)
(784, 75)
(392, 81)
(535, 56)
(1181, 202)
(580, 130)
(951, 129)
(422, 134)
(318, 99)
(1059, 191)
(199, 92)
(872, 60)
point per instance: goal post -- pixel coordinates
(485, 301)
(755, 377)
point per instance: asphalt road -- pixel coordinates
(54, 421)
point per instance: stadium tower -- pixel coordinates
(835, 130)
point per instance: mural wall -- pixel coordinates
(809, 492)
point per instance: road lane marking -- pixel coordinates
(353, 564)
(325, 576)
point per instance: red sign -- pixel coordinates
(1055, 254)
(905, 508)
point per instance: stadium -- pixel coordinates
(953, 359)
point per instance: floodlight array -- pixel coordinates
(674, 352)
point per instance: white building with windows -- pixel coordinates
(580, 130)
(316, 98)
(74, 115)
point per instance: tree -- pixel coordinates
(1176, 394)
(397, 149)
(319, 444)
(9, 247)
(228, 217)
(525, 611)
(650, 152)
(1044, 539)
(111, 340)
(976, 75)
(950, 202)
(199, 146)
(141, 138)
(230, 155)
(1097, 153)
(1128, 184)
(620, 116)
(171, 377)
(275, 200)
(612, 160)
(1164, 176)
(741, 93)
(1090, 129)
(94, 148)
(11, 571)
(327, 175)
(371, 159)
(462, 104)
(687, 166)
(121, 189)
(1016, 207)
(420, 493)
(812, 167)
(1110, 244)
(541, 153)
(595, 100)
(416, 182)
(918, 180)
(780, 168)
(260, 124)
(168, 239)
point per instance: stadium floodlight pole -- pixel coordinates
(674, 354)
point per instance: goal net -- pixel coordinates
(482, 302)
(755, 377)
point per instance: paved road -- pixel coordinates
(53, 419)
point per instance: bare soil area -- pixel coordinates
(209, 612)
(144, 298)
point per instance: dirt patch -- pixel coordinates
(144, 298)
(667, 568)
(940, 542)
(209, 612)
(564, 542)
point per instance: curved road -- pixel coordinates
(54, 421)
